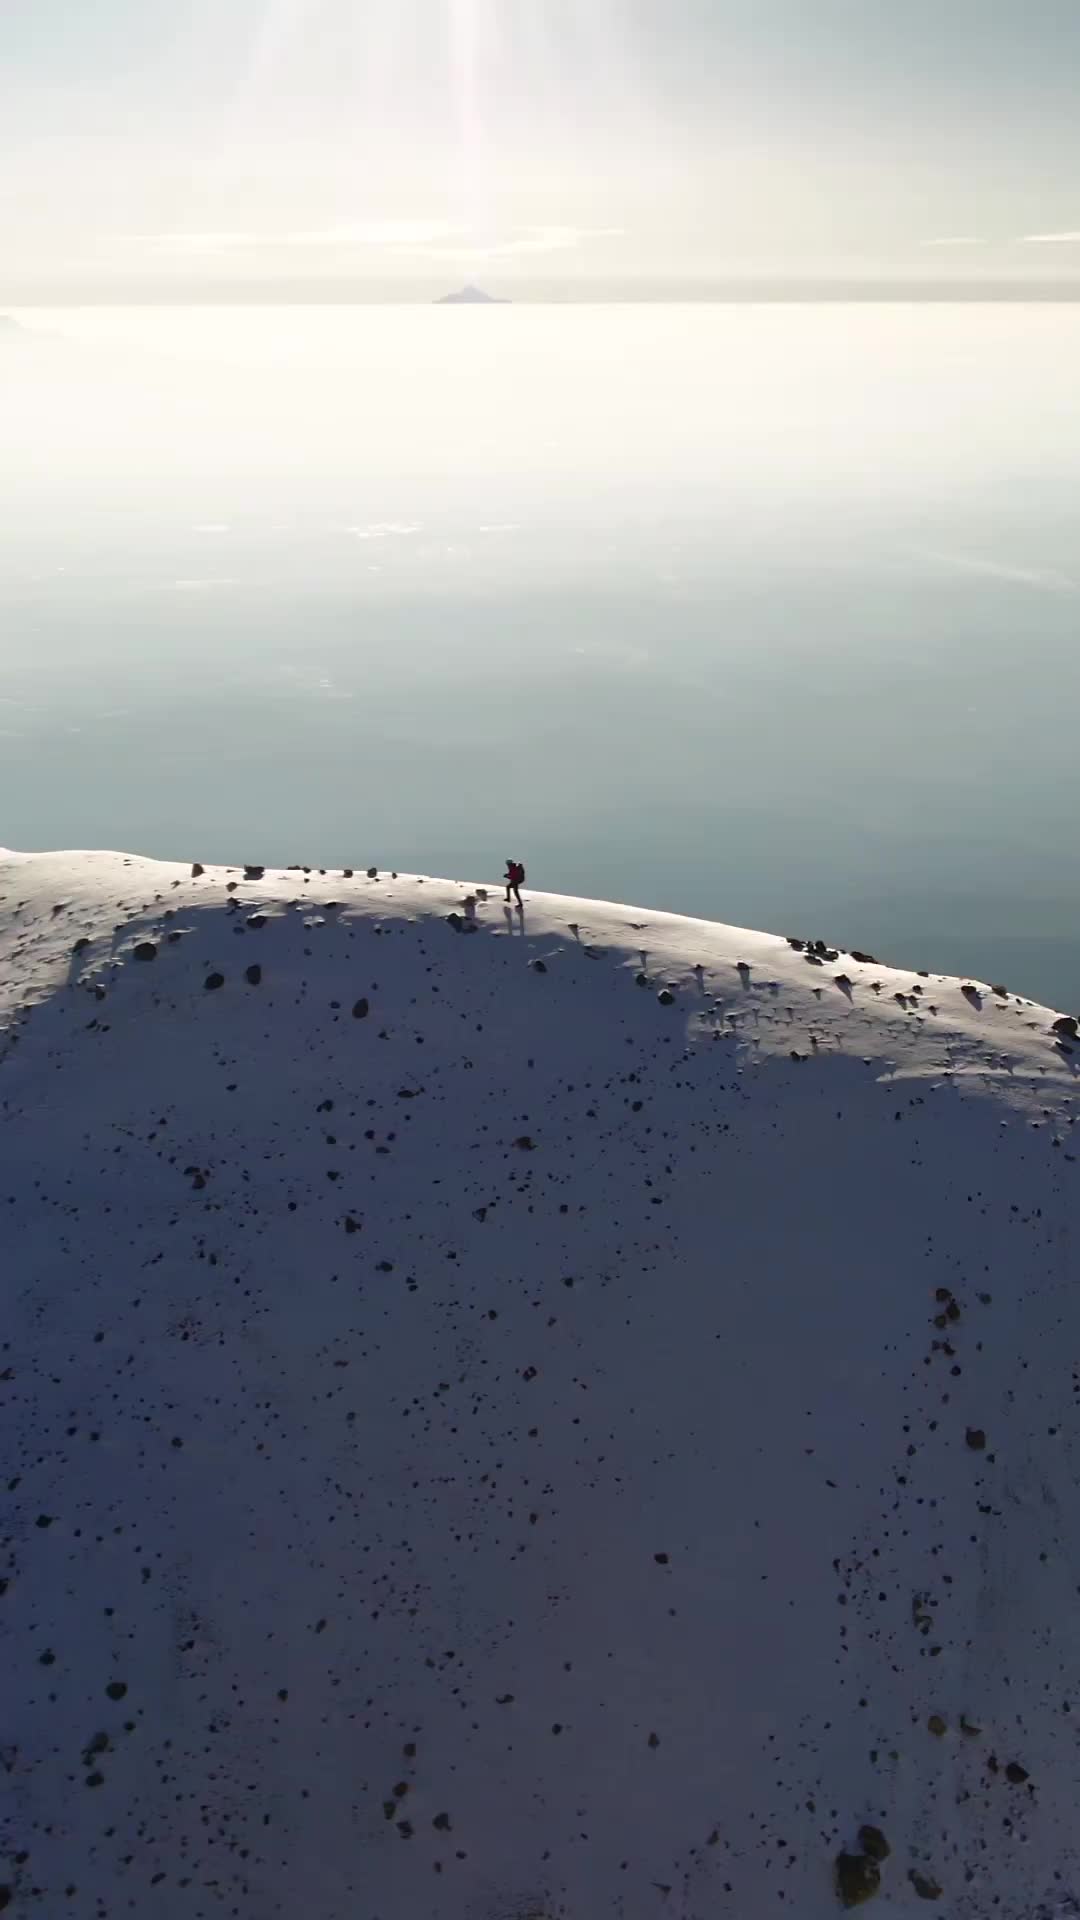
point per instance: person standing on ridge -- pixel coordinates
(515, 878)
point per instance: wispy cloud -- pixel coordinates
(383, 529)
(1070, 239)
(1042, 579)
(184, 244)
(957, 240)
(525, 241)
(431, 239)
(361, 235)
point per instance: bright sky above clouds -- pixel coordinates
(470, 138)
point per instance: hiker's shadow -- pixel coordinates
(515, 919)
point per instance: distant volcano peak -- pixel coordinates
(471, 297)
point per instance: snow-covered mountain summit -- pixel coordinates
(568, 1416)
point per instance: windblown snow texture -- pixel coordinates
(569, 1417)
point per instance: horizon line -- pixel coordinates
(584, 290)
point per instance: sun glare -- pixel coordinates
(475, 184)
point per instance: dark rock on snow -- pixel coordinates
(925, 1886)
(858, 1878)
(873, 1842)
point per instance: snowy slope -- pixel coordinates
(485, 1443)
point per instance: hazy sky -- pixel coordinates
(165, 139)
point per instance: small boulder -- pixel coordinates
(361, 1009)
(976, 1439)
(539, 966)
(81, 944)
(254, 873)
(873, 1842)
(1067, 1026)
(253, 975)
(666, 997)
(373, 873)
(256, 920)
(924, 1884)
(145, 950)
(213, 981)
(197, 869)
(858, 1879)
